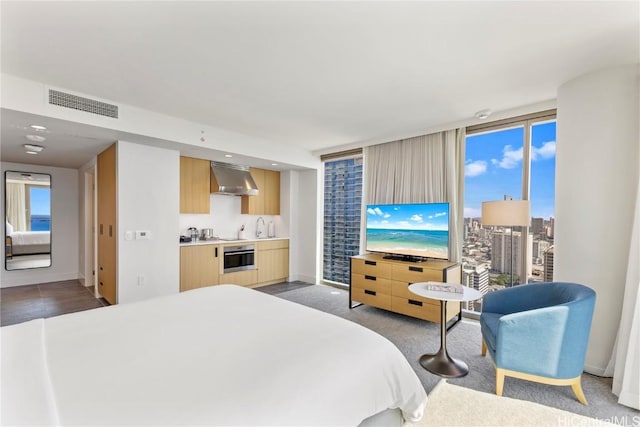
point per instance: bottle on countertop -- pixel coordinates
(271, 229)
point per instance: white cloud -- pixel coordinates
(472, 212)
(475, 168)
(416, 218)
(378, 212)
(510, 157)
(440, 214)
(546, 151)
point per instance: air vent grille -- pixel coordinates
(82, 104)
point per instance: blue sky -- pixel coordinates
(40, 199)
(493, 169)
(433, 216)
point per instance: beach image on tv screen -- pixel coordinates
(420, 230)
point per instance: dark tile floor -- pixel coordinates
(21, 303)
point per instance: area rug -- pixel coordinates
(451, 405)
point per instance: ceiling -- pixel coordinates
(320, 75)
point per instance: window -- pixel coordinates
(503, 161)
(342, 213)
(39, 208)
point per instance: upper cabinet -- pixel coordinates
(267, 202)
(194, 185)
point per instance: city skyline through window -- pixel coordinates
(511, 163)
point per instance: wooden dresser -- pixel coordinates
(384, 283)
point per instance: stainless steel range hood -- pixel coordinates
(232, 179)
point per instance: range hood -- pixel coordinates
(231, 179)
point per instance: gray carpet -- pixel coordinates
(415, 337)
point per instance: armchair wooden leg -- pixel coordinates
(484, 348)
(577, 389)
(499, 381)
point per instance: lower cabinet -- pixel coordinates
(199, 266)
(272, 261)
(384, 283)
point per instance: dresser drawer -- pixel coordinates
(371, 297)
(415, 273)
(401, 289)
(423, 310)
(370, 268)
(373, 283)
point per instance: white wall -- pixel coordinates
(225, 218)
(306, 213)
(596, 178)
(148, 199)
(64, 228)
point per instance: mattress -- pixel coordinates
(221, 355)
(30, 242)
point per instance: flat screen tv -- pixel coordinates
(411, 231)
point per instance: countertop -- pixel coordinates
(230, 242)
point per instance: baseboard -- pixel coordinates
(303, 278)
(595, 370)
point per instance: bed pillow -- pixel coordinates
(8, 228)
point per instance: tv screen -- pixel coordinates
(413, 231)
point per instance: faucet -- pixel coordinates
(259, 228)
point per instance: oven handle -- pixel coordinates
(239, 252)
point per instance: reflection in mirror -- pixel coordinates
(27, 228)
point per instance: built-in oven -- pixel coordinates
(238, 258)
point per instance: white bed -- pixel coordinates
(30, 242)
(222, 355)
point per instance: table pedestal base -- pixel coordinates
(444, 365)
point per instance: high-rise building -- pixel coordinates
(503, 258)
(548, 265)
(537, 226)
(342, 207)
(539, 248)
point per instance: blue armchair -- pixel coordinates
(538, 332)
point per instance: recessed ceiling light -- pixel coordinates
(38, 127)
(33, 149)
(36, 138)
(483, 114)
(228, 155)
(274, 164)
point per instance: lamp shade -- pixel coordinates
(506, 212)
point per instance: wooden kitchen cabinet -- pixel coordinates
(272, 261)
(267, 202)
(107, 227)
(195, 185)
(199, 266)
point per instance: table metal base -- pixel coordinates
(444, 365)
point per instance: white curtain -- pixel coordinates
(625, 360)
(16, 202)
(428, 168)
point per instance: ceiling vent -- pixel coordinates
(82, 104)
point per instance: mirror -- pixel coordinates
(27, 228)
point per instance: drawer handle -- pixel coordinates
(414, 302)
(101, 229)
(368, 292)
(418, 269)
(370, 277)
(371, 262)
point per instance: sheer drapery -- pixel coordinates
(625, 360)
(428, 168)
(15, 207)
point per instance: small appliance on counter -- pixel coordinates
(193, 233)
(185, 239)
(207, 234)
(271, 229)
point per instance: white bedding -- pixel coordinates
(23, 238)
(222, 355)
